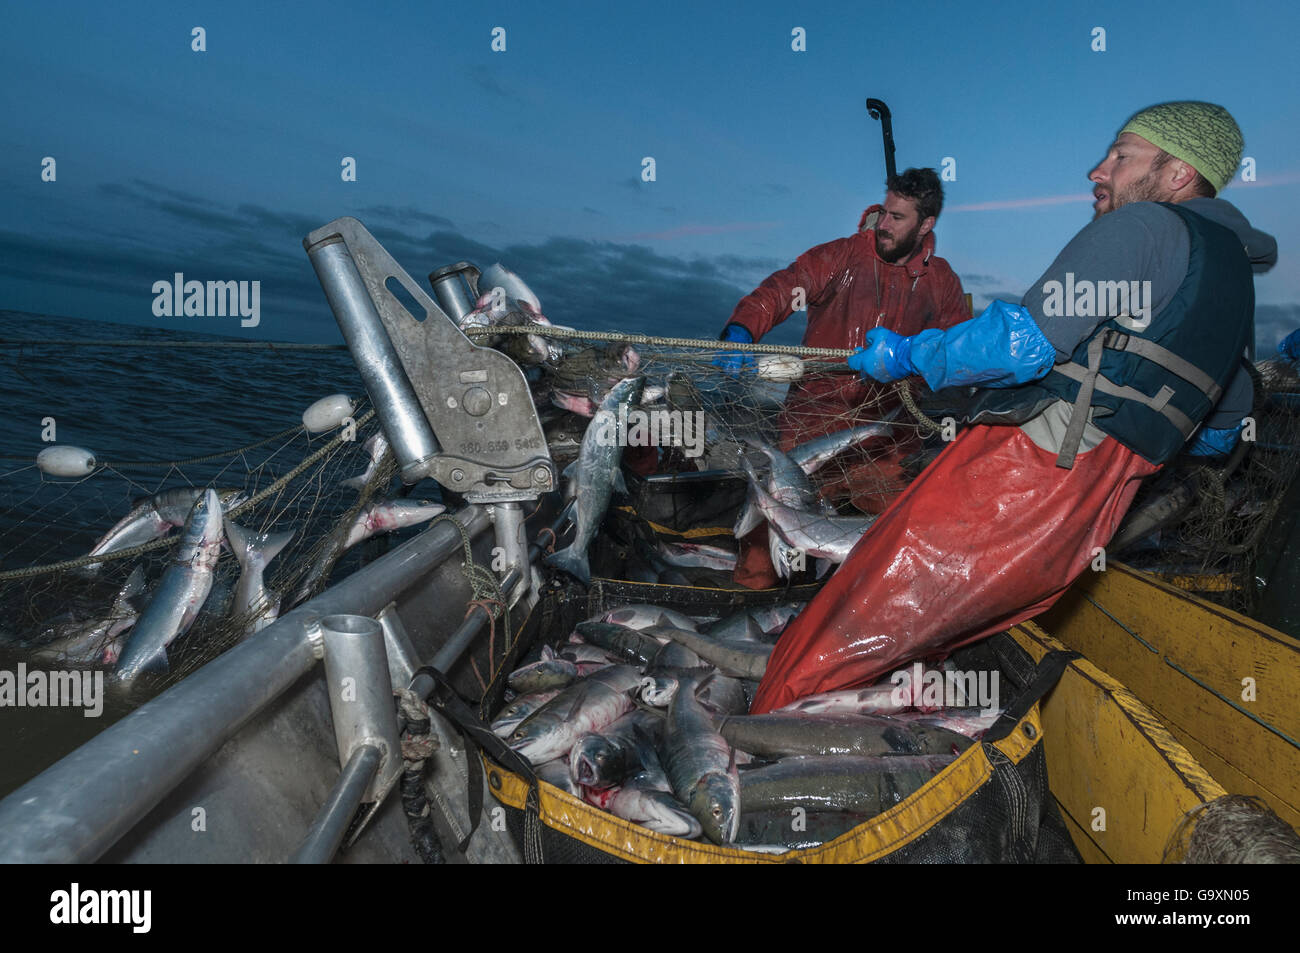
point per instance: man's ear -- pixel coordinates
(1180, 175)
(926, 225)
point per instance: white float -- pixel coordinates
(779, 367)
(327, 413)
(66, 461)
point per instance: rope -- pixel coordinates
(483, 583)
(252, 501)
(551, 331)
(905, 395)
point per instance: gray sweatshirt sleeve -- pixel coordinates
(1142, 242)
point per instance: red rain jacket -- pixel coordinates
(849, 290)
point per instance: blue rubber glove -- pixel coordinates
(1289, 346)
(1003, 347)
(1215, 441)
(884, 356)
(731, 362)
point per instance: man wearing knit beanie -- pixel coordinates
(1202, 137)
(1127, 350)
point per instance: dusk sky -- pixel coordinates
(217, 163)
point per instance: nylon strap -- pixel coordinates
(477, 734)
(1082, 401)
(1159, 403)
(1091, 379)
(1170, 361)
(1048, 672)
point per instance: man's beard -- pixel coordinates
(900, 251)
(1145, 189)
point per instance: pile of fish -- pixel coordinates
(643, 713)
(804, 528)
(133, 634)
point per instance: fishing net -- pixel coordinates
(273, 476)
(695, 427)
(1220, 528)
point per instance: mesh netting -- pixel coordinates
(1210, 526)
(294, 481)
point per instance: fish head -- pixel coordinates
(596, 762)
(626, 391)
(715, 801)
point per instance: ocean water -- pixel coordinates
(131, 404)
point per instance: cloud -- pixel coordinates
(405, 215)
(683, 231)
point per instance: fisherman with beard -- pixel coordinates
(886, 275)
(1083, 396)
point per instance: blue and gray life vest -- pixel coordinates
(1151, 387)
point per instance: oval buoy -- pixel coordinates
(66, 461)
(779, 367)
(327, 413)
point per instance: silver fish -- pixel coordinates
(154, 517)
(782, 735)
(181, 593)
(628, 645)
(550, 672)
(254, 552)
(811, 455)
(971, 722)
(643, 616)
(813, 535)
(885, 698)
(611, 756)
(775, 618)
(588, 705)
(786, 483)
(599, 474)
(392, 515)
(375, 518)
(376, 447)
(741, 659)
(641, 803)
(509, 717)
(98, 641)
(740, 627)
(838, 782)
(697, 555)
(700, 766)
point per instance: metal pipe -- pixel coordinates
(878, 110)
(460, 640)
(79, 807)
(390, 390)
(508, 519)
(455, 289)
(331, 825)
(403, 660)
(361, 695)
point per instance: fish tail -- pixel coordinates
(573, 561)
